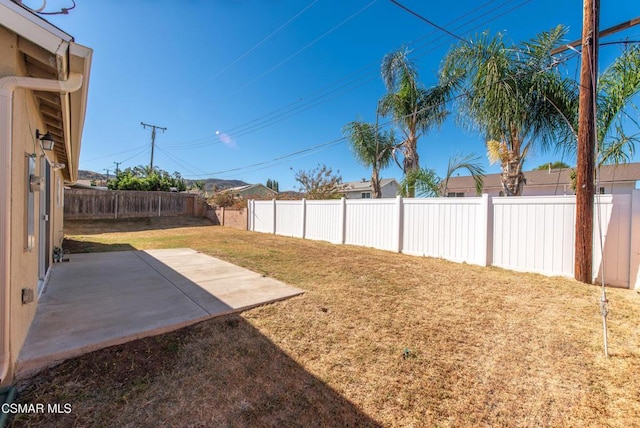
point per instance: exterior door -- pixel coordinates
(44, 235)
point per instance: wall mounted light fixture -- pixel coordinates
(46, 140)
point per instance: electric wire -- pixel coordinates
(319, 100)
(304, 48)
(291, 109)
(433, 24)
(117, 153)
(553, 65)
(263, 41)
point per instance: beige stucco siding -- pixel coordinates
(24, 263)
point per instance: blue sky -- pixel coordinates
(242, 84)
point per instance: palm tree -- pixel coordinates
(424, 181)
(471, 164)
(413, 108)
(617, 86)
(514, 95)
(371, 148)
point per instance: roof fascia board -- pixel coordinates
(31, 27)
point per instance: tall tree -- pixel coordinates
(552, 165)
(371, 148)
(414, 109)
(514, 95)
(320, 183)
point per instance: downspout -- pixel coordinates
(8, 85)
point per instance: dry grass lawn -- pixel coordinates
(378, 339)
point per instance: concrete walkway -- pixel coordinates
(103, 299)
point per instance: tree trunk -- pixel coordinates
(375, 184)
(411, 163)
(512, 177)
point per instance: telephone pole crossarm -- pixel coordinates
(153, 138)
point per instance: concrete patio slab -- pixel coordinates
(104, 299)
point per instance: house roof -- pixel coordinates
(365, 185)
(248, 187)
(621, 173)
(50, 53)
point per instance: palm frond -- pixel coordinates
(471, 163)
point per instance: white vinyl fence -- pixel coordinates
(531, 234)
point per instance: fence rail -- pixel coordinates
(80, 204)
(532, 234)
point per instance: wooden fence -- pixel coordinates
(87, 204)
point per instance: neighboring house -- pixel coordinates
(613, 179)
(252, 191)
(363, 190)
(44, 79)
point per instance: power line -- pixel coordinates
(293, 108)
(263, 41)
(433, 24)
(307, 46)
(321, 96)
(328, 144)
(114, 154)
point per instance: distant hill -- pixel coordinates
(209, 183)
(90, 175)
(219, 183)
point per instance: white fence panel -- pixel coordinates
(262, 216)
(449, 228)
(289, 220)
(615, 217)
(534, 234)
(325, 221)
(371, 223)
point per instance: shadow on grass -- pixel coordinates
(221, 372)
(76, 247)
(93, 227)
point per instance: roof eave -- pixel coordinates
(32, 27)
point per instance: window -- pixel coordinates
(31, 185)
(455, 195)
(602, 190)
(366, 195)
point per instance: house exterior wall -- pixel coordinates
(24, 262)
(389, 190)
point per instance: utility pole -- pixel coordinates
(117, 167)
(586, 143)
(106, 169)
(153, 138)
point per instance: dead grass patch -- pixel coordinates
(378, 338)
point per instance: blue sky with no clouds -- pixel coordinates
(258, 89)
